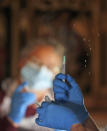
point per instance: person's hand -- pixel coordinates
(20, 102)
(66, 89)
(59, 115)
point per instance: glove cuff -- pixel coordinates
(84, 115)
(15, 119)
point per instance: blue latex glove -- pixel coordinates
(58, 130)
(68, 91)
(60, 115)
(19, 104)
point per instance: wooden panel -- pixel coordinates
(14, 37)
(95, 48)
(4, 3)
(61, 4)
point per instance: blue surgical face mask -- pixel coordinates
(38, 78)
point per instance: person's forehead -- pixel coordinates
(46, 54)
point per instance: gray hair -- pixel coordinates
(56, 44)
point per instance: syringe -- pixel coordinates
(63, 65)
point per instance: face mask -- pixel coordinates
(38, 78)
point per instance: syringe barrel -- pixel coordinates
(63, 65)
(63, 68)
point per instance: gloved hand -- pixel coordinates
(19, 104)
(66, 89)
(60, 115)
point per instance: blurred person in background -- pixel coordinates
(39, 63)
